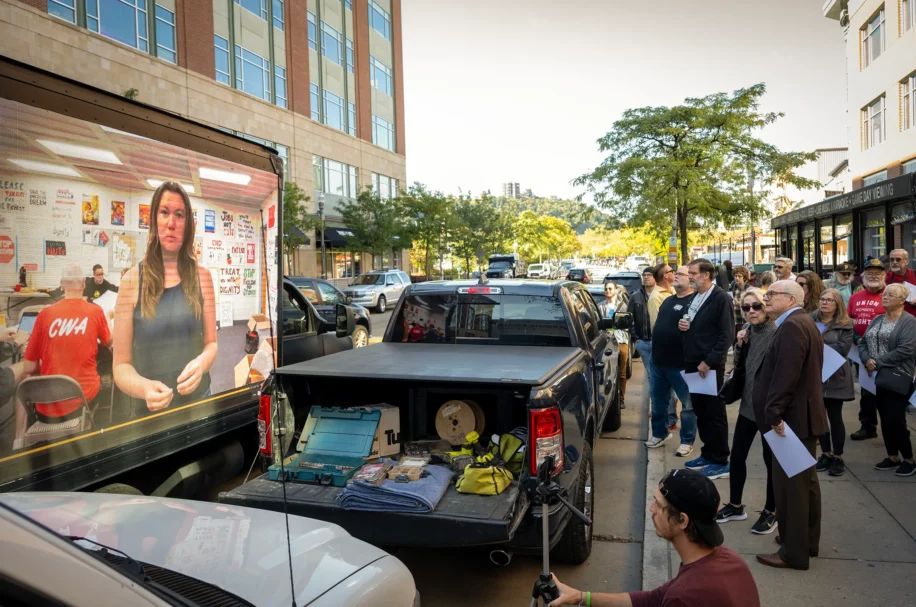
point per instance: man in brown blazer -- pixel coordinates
(788, 390)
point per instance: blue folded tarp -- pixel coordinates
(418, 497)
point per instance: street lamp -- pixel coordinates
(324, 261)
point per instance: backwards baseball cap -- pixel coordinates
(874, 263)
(845, 267)
(697, 497)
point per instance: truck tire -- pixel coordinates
(380, 308)
(576, 544)
(612, 419)
(119, 488)
(360, 337)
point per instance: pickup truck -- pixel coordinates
(529, 354)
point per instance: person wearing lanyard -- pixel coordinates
(708, 331)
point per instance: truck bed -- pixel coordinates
(458, 520)
(520, 365)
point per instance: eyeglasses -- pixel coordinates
(756, 307)
(828, 300)
(770, 294)
(669, 271)
(802, 284)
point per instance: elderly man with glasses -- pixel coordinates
(783, 268)
(788, 392)
(900, 272)
(864, 307)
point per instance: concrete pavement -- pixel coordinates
(868, 533)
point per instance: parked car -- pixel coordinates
(325, 298)
(541, 270)
(138, 550)
(579, 275)
(375, 289)
(632, 281)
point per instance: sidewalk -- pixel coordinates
(868, 533)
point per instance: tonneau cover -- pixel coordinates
(526, 365)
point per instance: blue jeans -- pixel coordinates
(664, 381)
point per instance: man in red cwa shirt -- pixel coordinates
(711, 575)
(65, 341)
(864, 307)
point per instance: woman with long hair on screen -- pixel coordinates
(165, 317)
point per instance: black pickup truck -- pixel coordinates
(534, 355)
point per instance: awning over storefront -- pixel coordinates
(891, 190)
(336, 237)
(301, 236)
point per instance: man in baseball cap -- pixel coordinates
(684, 513)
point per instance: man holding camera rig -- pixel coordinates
(711, 575)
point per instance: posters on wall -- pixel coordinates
(13, 195)
(244, 227)
(250, 253)
(214, 252)
(65, 197)
(90, 209)
(249, 282)
(117, 213)
(228, 222)
(230, 281)
(143, 221)
(7, 249)
(123, 245)
(38, 198)
(237, 253)
(209, 221)
(55, 248)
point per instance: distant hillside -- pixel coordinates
(579, 215)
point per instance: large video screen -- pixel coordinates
(134, 286)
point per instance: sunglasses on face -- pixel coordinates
(896, 258)
(756, 307)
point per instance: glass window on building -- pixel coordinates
(283, 152)
(809, 252)
(873, 123)
(909, 167)
(313, 32)
(336, 177)
(354, 182)
(124, 21)
(782, 242)
(383, 133)
(380, 75)
(257, 7)
(826, 243)
(313, 101)
(873, 38)
(318, 177)
(278, 14)
(874, 234)
(908, 100)
(166, 48)
(63, 9)
(252, 73)
(874, 178)
(379, 20)
(351, 118)
(350, 67)
(843, 236)
(333, 111)
(908, 8)
(331, 44)
(280, 85)
(792, 251)
(903, 218)
(222, 59)
(386, 187)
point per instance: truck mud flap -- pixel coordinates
(458, 520)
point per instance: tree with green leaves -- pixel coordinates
(376, 223)
(298, 223)
(692, 163)
(469, 235)
(429, 215)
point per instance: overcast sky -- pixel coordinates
(520, 90)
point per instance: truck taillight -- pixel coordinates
(546, 431)
(264, 439)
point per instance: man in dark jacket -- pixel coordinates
(708, 330)
(641, 331)
(788, 392)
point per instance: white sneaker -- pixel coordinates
(684, 450)
(655, 443)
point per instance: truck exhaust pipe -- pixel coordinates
(500, 558)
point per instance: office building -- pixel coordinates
(511, 190)
(878, 212)
(321, 81)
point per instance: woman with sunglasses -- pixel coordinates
(889, 346)
(812, 285)
(617, 299)
(755, 337)
(836, 327)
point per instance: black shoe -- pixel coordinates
(823, 463)
(906, 469)
(864, 433)
(730, 513)
(887, 464)
(765, 524)
(837, 467)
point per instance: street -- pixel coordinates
(379, 324)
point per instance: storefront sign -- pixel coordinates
(886, 191)
(7, 249)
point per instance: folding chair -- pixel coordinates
(52, 389)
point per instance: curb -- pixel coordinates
(656, 565)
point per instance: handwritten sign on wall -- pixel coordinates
(249, 282)
(230, 281)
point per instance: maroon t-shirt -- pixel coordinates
(719, 579)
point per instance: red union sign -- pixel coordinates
(7, 249)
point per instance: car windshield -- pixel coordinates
(369, 279)
(535, 268)
(577, 272)
(630, 283)
(507, 320)
(499, 264)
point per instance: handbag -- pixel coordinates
(894, 380)
(733, 384)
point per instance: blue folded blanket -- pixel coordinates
(418, 497)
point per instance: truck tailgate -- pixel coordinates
(458, 520)
(526, 365)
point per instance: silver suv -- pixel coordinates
(376, 289)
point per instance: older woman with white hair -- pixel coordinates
(888, 351)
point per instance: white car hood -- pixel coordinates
(241, 550)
